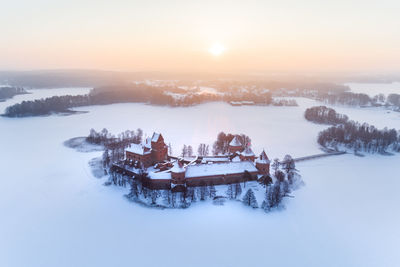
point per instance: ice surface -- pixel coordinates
(372, 89)
(54, 212)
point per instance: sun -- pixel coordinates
(217, 49)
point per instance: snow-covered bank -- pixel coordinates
(42, 93)
(56, 213)
(80, 144)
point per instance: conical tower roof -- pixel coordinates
(235, 142)
(263, 158)
(248, 152)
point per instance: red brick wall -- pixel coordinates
(145, 159)
(220, 179)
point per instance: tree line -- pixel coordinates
(356, 136)
(8, 92)
(325, 115)
(114, 146)
(46, 106)
(133, 93)
(359, 99)
(221, 145)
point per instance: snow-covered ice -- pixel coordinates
(372, 89)
(54, 212)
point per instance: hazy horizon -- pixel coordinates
(206, 36)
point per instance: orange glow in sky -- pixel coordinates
(201, 35)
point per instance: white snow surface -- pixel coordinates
(137, 149)
(219, 168)
(177, 168)
(56, 213)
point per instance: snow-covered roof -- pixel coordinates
(178, 167)
(248, 152)
(263, 158)
(155, 137)
(235, 142)
(137, 149)
(236, 159)
(215, 159)
(147, 142)
(200, 170)
(165, 175)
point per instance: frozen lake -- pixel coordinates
(55, 213)
(372, 89)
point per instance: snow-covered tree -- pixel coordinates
(280, 176)
(184, 151)
(146, 192)
(203, 150)
(169, 149)
(106, 159)
(134, 192)
(139, 135)
(273, 196)
(154, 195)
(173, 199)
(190, 194)
(229, 191)
(285, 190)
(265, 206)
(288, 163)
(275, 165)
(211, 191)
(237, 190)
(249, 199)
(190, 151)
(203, 192)
(167, 197)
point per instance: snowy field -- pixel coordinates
(372, 89)
(55, 213)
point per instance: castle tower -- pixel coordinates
(235, 145)
(247, 154)
(262, 163)
(178, 172)
(159, 150)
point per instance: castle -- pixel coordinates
(168, 172)
(153, 151)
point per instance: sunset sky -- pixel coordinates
(201, 35)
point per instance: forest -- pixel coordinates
(360, 137)
(359, 99)
(8, 92)
(135, 93)
(324, 115)
(351, 135)
(55, 104)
